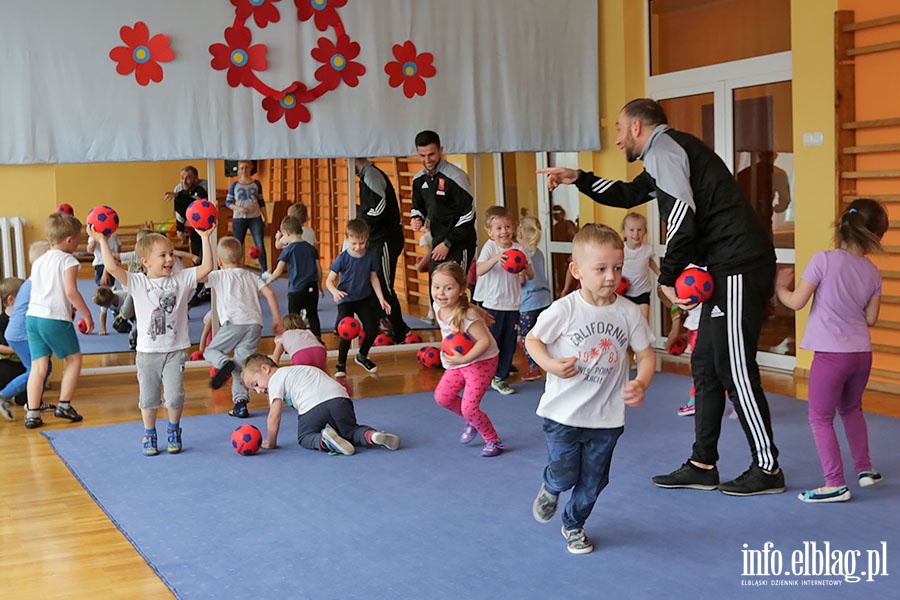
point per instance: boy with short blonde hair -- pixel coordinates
(326, 420)
(582, 342)
(54, 295)
(161, 298)
(240, 316)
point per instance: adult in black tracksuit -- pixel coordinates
(190, 188)
(708, 222)
(442, 193)
(378, 207)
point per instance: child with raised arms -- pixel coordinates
(326, 420)
(241, 320)
(48, 323)
(845, 288)
(582, 342)
(160, 298)
(470, 373)
(499, 292)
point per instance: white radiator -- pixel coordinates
(12, 246)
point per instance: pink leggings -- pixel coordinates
(476, 379)
(313, 356)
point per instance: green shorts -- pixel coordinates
(46, 336)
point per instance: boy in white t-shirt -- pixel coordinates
(500, 292)
(298, 211)
(582, 340)
(326, 420)
(240, 315)
(48, 322)
(160, 298)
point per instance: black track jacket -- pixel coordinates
(446, 198)
(708, 221)
(378, 205)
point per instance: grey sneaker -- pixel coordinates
(577, 541)
(753, 482)
(5, 411)
(689, 477)
(387, 440)
(335, 443)
(501, 386)
(544, 507)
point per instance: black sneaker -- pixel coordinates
(67, 413)
(363, 361)
(689, 477)
(753, 482)
(33, 422)
(221, 376)
(340, 370)
(240, 410)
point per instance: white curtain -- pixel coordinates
(509, 75)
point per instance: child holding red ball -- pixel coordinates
(471, 372)
(499, 291)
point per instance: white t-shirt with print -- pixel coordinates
(161, 310)
(599, 337)
(303, 388)
(48, 286)
(637, 269)
(447, 328)
(498, 289)
(238, 296)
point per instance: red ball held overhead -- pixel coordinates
(103, 219)
(201, 215)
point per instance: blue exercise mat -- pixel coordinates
(118, 342)
(435, 520)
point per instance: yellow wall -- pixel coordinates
(812, 40)
(29, 191)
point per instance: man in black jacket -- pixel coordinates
(190, 188)
(442, 193)
(378, 207)
(708, 222)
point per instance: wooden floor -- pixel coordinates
(56, 543)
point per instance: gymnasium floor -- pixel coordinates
(56, 542)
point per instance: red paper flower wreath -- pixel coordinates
(141, 54)
(410, 69)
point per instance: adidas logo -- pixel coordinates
(716, 312)
(425, 185)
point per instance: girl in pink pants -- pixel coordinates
(469, 372)
(300, 344)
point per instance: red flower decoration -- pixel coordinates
(291, 106)
(410, 69)
(338, 62)
(141, 54)
(324, 12)
(263, 11)
(239, 57)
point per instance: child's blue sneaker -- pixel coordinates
(867, 478)
(841, 494)
(174, 440)
(150, 445)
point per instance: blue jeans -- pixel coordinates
(19, 385)
(257, 231)
(579, 459)
(504, 331)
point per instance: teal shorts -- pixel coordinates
(46, 336)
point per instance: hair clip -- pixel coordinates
(851, 210)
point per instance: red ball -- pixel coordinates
(103, 219)
(255, 252)
(624, 286)
(413, 338)
(196, 355)
(678, 346)
(460, 343)
(514, 261)
(201, 215)
(348, 328)
(694, 284)
(65, 209)
(81, 325)
(429, 357)
(383, 339)
(246, 440)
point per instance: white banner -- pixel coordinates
(135, 80)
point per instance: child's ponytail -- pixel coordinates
(862, 225)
